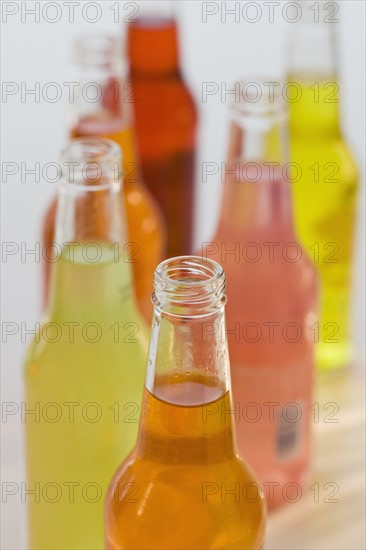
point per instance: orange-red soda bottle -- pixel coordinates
(166, 119)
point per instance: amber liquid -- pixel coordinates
(190, 489)
(144, 224)
(165, 122)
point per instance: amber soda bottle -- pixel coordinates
(185, 486)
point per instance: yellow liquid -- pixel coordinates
(325, 206)
(73, 458)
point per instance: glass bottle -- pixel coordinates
(85, 370)
(325, 193)
(165, 118)
(185, 486)
(102, 108)
(271, 317)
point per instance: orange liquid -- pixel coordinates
(181, 474)
(144, 224)
(166, 122)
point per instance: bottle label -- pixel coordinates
(289, 431)
(272, 405)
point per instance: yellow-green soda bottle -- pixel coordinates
(85, 369)
(325, 175)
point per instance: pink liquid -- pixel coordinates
(271, 307)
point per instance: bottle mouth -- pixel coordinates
(92, 163)
(189, 285)
(161, 12)
(153, 22)
(260, 96)
(97, 50)
(308, 15)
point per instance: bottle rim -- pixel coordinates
(259, 96)
(92, 163)
(163, 12)
(97, 50)
(192, 284)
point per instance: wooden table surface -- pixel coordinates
(331, 515)
(312, 523)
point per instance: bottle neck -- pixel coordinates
(91, 267)
(102, 106)
(153, 48)
(188, 365)
(313, 80)
(258, 205)
(257, 179)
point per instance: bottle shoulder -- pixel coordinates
(171, 92)
(262, 252)
(324, 148)
(272, 271)
(63, 345)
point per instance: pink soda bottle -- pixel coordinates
(272, 298)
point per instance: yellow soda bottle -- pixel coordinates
(325, 176)
(85, 369)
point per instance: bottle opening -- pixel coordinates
(189, 282)
(155, 13)
(152, 22)
(97, 50)
(92, 162)
(260, 97)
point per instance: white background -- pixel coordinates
(34, 132)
